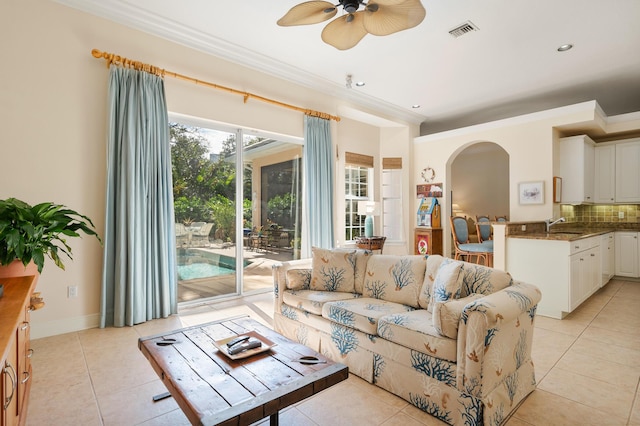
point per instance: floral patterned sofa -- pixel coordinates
(452, 338)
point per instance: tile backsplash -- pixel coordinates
(601, 214)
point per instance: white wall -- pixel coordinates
(53, 116)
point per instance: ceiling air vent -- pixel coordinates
(463, 29)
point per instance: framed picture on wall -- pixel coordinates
(531, 192)
(557, 189)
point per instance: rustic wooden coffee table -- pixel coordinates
(213, 389)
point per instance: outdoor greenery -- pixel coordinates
(204, 185)
(204, 188)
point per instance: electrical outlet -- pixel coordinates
(72, 291)
(524, 227)
(620, 215)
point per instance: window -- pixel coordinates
(358, 181)
(392, 198)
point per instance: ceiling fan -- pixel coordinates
(377, 17)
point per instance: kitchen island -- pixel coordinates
(565, 263)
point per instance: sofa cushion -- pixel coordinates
(447, 282)
(415, 330)
(298, 279)
(360, 267)
(446, 315)
(333, 270)
(433, 263)
(481, 279)
(361, 314)
(312, 301)
(395, 279)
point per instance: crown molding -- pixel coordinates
(134, 17)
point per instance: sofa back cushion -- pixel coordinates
(333, 270)
(481, 279)
(433, 263)
(360, 267)
(447, 282)
(395, 278)
(299, 279)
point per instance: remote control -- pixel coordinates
(244, 346)
(237, 340)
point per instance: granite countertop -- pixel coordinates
(564, 235)
(566, 232)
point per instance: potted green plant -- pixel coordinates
(28, 233)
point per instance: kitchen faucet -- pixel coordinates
(549, 222)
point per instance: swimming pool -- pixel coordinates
(194, 271)
(196, 264)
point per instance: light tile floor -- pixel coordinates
(587, 368)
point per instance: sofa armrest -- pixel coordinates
(279, 272)
(494, 338)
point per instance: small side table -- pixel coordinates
(371, 243)
(427, 241)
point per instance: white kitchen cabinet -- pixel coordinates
(566, 272)
(577, 169)
(628, 172)
(607, 255)
(605, 174)
(627, 263)
(584, 274)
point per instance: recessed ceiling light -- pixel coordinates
(415, 106)
(360, 83)
(565, 47)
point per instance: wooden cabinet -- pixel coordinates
(577, 169)
(607, 255)
(627, 254)
(15, 376)
(627, 172)
(427, 241)
(605, 171)
(9, 408)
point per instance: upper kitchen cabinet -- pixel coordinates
(605, 182)
(577, 169)
(628, 172)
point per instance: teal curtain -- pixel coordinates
(139, 280)
(318, 181)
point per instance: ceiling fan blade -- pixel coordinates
(389, 18)
(310, 12)
(343, 33)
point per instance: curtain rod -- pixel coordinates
(119, 60)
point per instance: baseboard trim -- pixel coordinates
(62, 326)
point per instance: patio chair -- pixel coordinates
(463, 248)
(182, 235)
(201, 235)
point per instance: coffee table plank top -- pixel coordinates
(214, 389)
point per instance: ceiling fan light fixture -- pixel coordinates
(378, 17)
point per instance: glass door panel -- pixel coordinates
(272, 208)
(226, 247)
(204, 202)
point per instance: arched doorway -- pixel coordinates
(479, 182)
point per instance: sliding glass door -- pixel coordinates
(236, 212)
